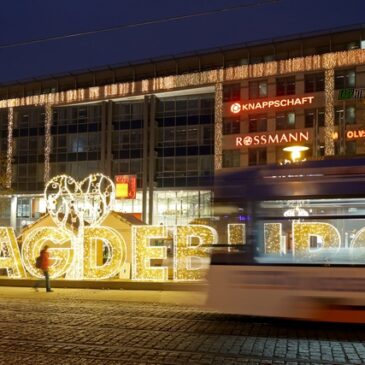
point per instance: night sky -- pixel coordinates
(25, 20)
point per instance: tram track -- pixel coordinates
(140, 355)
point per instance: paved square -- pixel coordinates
(126, 327)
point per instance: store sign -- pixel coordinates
(265, 139)
(271, 104)
(125, 186)
(352, 134)
(346, 94)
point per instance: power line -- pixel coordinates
(139, 24)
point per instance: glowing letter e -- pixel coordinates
(143, 252)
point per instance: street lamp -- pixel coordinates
(295, 152)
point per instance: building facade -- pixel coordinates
(173, 123)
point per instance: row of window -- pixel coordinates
(286, 120)
(258, 156)
(287, 85)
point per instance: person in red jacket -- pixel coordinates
(44, 266)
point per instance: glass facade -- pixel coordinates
(76, 141)
(185, 141)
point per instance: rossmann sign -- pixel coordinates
(265, 139)
(276, 103)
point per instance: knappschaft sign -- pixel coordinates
(276, 103)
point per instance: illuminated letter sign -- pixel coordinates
(325, 233)
(143, 252)
(271, 104)
(60, 251)
(188, 241)
(110, 240)
(263, 139)
(346, 94)
(10, 255)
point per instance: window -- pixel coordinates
(231, 126)
(285, 86)
(314, 82)
(231, 158)
(257, 89)
(23, 208)
(311, 116)
(285, 120)
(349, 117)
(257, 156)
(232, 92)
(345, 79)
(350, 148)
(257, 123)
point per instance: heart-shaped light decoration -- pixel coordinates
(71, 203)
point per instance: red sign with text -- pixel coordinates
(125, 186)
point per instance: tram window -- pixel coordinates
(313, 231)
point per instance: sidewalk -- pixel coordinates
(183, 298)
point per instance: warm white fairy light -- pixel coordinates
(329, 118)
(47, 141)
(236, 233)
(9, 154)
(71, 205)
(9, 254)
(218, 120)
(115, 244)
(300, 64)
(302, 231)
(188, 246)
(143, 252)
(60, 250)
(273, 238)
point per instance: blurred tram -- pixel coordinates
(302, 250)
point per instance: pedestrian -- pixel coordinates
(44, 266)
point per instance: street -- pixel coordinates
(144, 327)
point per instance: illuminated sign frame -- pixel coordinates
(125, 186)
(351, 93)
(271, 104)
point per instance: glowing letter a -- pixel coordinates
(10, 254)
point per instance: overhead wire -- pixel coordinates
(139, 24)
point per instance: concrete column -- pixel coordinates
(109, 131)
(145, 158)
(152, 162)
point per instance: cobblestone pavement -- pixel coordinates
(46, 329)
